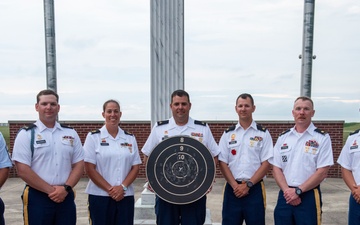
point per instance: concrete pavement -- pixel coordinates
(335, 195)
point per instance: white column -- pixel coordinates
(167, 55)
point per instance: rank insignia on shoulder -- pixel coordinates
(261, 128)
(128, 133)
(29, 127)
(284, 132)
(65, 126)
(159, 123)
(355, 132)
(95, 131)
(320, 131)
(230, 129)
(199, 122)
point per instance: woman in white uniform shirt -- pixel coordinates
(112, 163)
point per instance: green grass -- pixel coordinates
(350, 127)
(6, 133)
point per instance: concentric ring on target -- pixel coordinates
(180, 169)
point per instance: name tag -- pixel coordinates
(40, 142)
(232, 142)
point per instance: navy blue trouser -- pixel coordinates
(307, 213)
(354, 212)
(250, 208)
(2, 210)
(106, 211)
(187, 214)
(39, 209)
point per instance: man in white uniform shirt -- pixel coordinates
(49, 158)
(180, 124)
(244, 152)
(302, 158)
(349, 160)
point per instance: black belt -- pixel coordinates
(317, 187)
(244, 181)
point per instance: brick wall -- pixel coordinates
(141, 129)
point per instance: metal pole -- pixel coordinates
(307, 53)
(50, 49)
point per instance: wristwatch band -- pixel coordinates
(124, 187)
(68, 188)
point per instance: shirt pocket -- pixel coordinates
(234, 151)
(284, 154)
(285, 150)
(254, 146)
(67, 146)
(354, 151)
(355, 158)
(40, 147)
(38, 144)
(68, 141)
(310, 156)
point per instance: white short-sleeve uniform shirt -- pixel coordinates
(300, 155)
(113, 158)
(55, 151)
(350, 155)
(168, 128)
(245, 150)
(5, 160)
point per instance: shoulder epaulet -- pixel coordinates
(159, 123)
(65, 126)
(230, 128)
(199, 122)
(320, 131)
(284, 132)
(95, 131)
(355, 132)
(128, 133)
(29, 127)
(261, 128)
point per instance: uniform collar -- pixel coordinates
(104, 133)
(42, 127)
(311, 129)
(252, 125)
(173, 125)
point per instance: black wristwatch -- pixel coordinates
(298, 191)
(249, 184)
(67, 187)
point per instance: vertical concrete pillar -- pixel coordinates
(167, 54)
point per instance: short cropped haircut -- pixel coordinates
(305, 98)
(109, 101)
(47, 92)
(180, 93)
(245, 96)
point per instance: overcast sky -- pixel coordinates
(231, 47)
